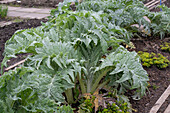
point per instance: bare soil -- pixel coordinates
(5, 19)
(159, 78)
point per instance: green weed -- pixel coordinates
(116, 108)
(155, 86)
(165, 47)
(149, 59)
(3, 11)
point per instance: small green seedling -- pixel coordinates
(155, 86)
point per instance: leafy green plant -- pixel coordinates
(153, 59)
(115, 108)
(165, 47)
(126, 13)
(25, 92)
(3, 11)
(65, 57)
(87, 105)
(161, 23)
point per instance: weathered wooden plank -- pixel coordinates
(152, 7)
(155, 5)
(156, 2)
(149, 2)
(160, 101)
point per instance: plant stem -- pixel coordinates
(82, 85)
(103, 84)
(52, 20)
(69, 95)
(98, 79)
(88, 86)
(3, 63)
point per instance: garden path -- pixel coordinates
(30, 13)
(6, 1)
(26, 13)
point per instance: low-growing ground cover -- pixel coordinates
(81, 39)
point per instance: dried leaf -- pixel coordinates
(96, 101)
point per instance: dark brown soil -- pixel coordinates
(6, 32)
(159, 79)
(4, 19)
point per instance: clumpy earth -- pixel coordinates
(159, 78)
(4, 19)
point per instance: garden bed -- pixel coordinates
(159, 79)
(6, 32)
(118, 71)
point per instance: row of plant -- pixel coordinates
(3, 11)
(76, 55)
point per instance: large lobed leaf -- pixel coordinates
(24, 90)
(128, 72)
